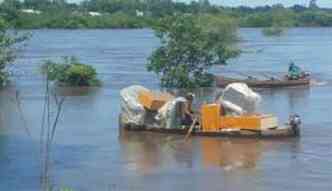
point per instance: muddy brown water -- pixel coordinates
(90, 153)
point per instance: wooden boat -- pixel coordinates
(213, 119)
(270, 83)
(285, 132)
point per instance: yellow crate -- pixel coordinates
(212, 121)
(210, 117)
(249, 122)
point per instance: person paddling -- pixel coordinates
(294, 72)
(188, 114)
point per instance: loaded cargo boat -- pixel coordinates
(145, 110)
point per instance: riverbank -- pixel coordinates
(70, 21)
(122, 21)
(252, 18)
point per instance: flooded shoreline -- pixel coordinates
(91, 154)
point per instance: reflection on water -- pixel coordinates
(293, 97)
(237, 153)
(146, 152)
(77, 91)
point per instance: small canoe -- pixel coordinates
(279, 132)
(271, 83)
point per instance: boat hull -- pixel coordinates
(275, 83)
(286, 132)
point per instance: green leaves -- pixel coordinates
(273, 31)
(190, 46)
(71, 73)
(81, 75)
(9, 46)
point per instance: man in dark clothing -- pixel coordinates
(188, 113)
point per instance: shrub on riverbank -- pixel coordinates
(71, 72)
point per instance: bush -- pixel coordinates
(70, 73)
(81, 75)
(273, 31)
(9, 46)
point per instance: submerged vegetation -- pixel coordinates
(145, 13)
(189, 47)
(70, 72)
(273, 31)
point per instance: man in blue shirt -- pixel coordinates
(294, 72)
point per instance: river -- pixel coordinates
(91, 154)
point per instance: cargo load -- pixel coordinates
(232, 114)
(168, 115)
(139, 103)
(132, 111)
(153, 100)
(212, 120)
(240, 99)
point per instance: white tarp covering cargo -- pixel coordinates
(239, 98)
(132, 112)
(168, 114)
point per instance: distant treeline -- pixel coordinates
(144, 13)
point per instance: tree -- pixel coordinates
(9, 9)
(190, 46)
(298, 8)
(8, 49)
(313, 4)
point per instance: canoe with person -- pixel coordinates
(295, 77)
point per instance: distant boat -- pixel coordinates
(269, 83)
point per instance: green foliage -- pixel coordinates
(70, 73)
(122, 13)
(190, 46)
(9, 46)
(59, 189)
(66, 189)
(273, 31)
(69, 21)
(314, 18)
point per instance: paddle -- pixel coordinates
(191, 129)
(270, 76)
